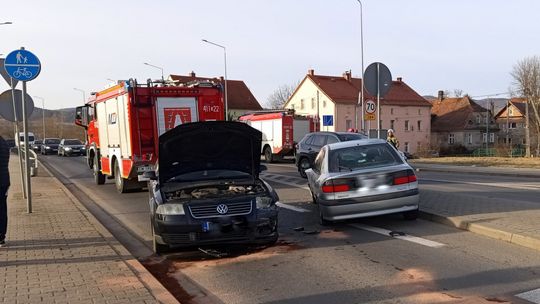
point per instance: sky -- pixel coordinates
(432, 45)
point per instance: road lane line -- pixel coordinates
(293, 208)
(499, 185)
(280, 181)
(406, 237)
(532, 296)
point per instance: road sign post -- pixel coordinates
(24, 66)
(378, 81)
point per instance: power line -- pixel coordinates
(491, 95)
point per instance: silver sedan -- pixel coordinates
(362, 178)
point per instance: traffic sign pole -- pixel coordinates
(378, 101)
(17, 135)
(26, 152)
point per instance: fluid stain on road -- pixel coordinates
(166, 268)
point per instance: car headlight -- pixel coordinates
(170, 209)
(48, 148)
(67, 148)
(263, 202)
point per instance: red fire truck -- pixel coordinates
(123, 124)
(281, 129)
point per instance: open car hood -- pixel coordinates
(210, 145)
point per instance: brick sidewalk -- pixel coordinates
(61, 254)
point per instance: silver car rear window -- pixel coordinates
(362, 157)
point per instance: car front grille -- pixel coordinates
(210, 210)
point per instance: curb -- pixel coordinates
(456, 170)
(494, 233)
(145, 277)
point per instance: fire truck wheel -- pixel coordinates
(268, 157)
(90, 161)
(121, 185)
(99, 177)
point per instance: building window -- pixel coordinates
(406, 146)
(510, 111)
(324, 103)
(392, 124)
(451, 139)
(469, 138)
(301, 104)
(512, 125)
(313, 103)
(419, 111)
(419, 125)
(407, 128)
(348, 124)
(491, 137)
(418, 146)
(478, 119)
(380, 123)
(484, 137)
(391, 111)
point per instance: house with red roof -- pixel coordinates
(402, 109)
(240, 98)
(459, 125)
(511, 121)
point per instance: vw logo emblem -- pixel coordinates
(222, 209)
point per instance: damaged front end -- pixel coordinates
(217, 214)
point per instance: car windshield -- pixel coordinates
(350, 136)
(361, 157)
(73, 142)
(209, 175)
(52, 141)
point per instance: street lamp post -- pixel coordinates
(155, 66)
(43, 112)
(225, 59)
(361, 95)
(83, 94)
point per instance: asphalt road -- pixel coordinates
(351, 262)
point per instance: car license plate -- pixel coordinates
(206, 226)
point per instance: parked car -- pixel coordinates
(50, 145)
(311, 144)
(70, 147)
(207, 189)
(36, 145)
(360, 179)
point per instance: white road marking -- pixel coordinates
(406, 237)
(280, 181)
(293, 208)
(282, 165)
(531, 296)
(500, 185)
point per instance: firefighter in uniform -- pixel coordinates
(392, 139)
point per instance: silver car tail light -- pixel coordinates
(404, 177)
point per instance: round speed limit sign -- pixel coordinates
(371, 107)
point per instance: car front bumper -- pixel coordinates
(183, 231)
(335, 210)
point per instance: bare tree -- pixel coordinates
(458, 93)
(526, 75)
(280, 96)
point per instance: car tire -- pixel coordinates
(268, 157)
(99, 177)
(158, 248)
(411, 215)
(301, 167)
(322, 221)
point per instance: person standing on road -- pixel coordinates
(392, 139)
(4, 185)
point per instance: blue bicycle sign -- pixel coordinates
(22, 65)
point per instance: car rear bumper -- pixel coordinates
(377, 205)
(238, 230)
